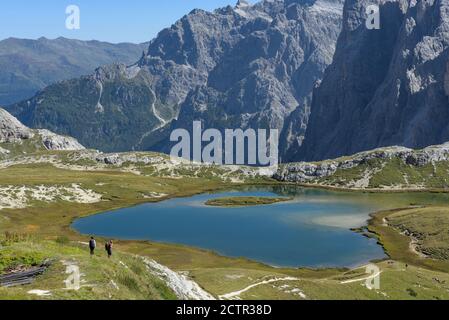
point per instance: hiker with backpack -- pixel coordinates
(92, 245)
(108, 247)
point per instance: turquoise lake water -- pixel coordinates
(313, 230)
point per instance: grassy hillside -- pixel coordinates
(41, 228)
(45, 233)
(28, 66)
(428, 228)
(390, 168)
(391, 173)
(124, 277)
(415, 236)
(28, 146)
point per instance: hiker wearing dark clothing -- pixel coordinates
(92, 245)
(108, 248)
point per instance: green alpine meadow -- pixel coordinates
(98, 203)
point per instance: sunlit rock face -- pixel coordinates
(11, 130)
(385, 87)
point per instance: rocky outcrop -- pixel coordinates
(385, 87)
(305, 172)
(118, 159)
(12, 131)
(53, 141)
(4, 151)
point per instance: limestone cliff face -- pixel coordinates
(11, 130)
(385, 87)
(265, 80)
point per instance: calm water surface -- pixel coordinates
(312, 230)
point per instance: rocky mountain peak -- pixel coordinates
(53, 141)
(242, 4)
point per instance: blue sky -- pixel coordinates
(106, 20)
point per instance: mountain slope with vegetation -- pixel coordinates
(236, 67)
(18, 140)
(126, 277)
(391, 168)
(27, 66)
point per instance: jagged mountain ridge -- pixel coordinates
(268, 76)
(243, 66)
(27, 66)
(385, 87)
